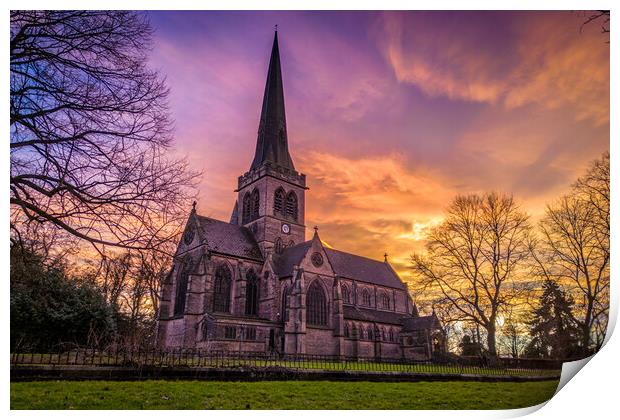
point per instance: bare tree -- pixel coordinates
(513, 338)
(91, 132)
(575, 249)
(473, 258)
(600, 16)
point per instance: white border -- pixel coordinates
(592, 394)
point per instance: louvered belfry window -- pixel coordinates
(316, 305)
(278, 202)
(255, 204)
(247, 208)
(291, 206)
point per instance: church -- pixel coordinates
(255, 284)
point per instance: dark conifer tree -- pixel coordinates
(553, 328)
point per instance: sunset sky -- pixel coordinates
(390, 115)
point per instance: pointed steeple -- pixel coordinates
(272, 142)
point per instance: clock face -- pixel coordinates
(286, 228)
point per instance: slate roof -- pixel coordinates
(363, 269)
(344, 264)
(229, 239)
(372, 315)
(291, 256)
(421, 323)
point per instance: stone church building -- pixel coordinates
(255, 284)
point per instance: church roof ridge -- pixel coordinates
(228, 238)
(344, 264)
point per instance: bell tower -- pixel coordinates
(271, 200)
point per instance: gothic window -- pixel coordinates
(365, 298)
(221, 289)
(391, 335)
(284, 311)
(346, 330)
(230, 333)
(346, 298)
(247, 208)
(316, 305)
(204, 328)
(369, 332)
(385, 301)
(291, 243)
(278, 202)
(251, 293)
(181, 292)
(291, 206)
(249, 333)
(277, 247)
(255, 204)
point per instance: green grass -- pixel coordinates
(277, 395)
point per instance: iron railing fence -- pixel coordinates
(226, 359)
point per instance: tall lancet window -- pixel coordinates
(316, 305)
(284, 312)
(365, 298)
(385, 301)
(251, 293)
(346, 297)
(255, 204)
(291, 206)
(247, 208)
(221, 289)
(278, 202)
(181, 292)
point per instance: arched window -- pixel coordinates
(278, 202)
(277, 247)
(255, 204)
(247, 208)
(385, 301)
(369, 332)
(365, 298)
(181, 292)
(316, 305)
(346, 330)
(221, 289)
(284, 311)
(346, 298)
(251, 293)
(391, 335)
(291, 206)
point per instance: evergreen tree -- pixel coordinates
(552, 327)
(49, 307)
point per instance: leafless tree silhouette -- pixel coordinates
(599, 16)
(473, 258)
(91, 132)
(575, 249)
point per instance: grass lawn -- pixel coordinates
(277, 395)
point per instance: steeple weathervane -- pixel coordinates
(272, 142)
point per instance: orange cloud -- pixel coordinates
(553, 64)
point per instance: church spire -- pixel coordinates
(272, 142)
